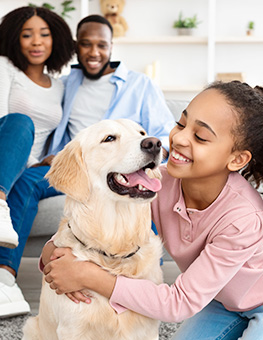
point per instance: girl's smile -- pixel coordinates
(178, 158)
(201, 143)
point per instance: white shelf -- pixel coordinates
(239, 40)
(190, 89)
(161, 40)
(187, 40)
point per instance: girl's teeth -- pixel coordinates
(180, 157)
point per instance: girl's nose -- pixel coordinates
(181, 138)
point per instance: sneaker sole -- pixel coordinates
(8, 244)
(14, 308)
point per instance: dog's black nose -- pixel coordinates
(151, 145)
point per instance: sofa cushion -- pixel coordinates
(50, 211)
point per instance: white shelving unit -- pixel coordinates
(188, 63)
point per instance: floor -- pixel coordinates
(29, 279)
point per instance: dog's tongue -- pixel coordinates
(140, 177)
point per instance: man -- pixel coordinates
(99, 89)
(95, 89)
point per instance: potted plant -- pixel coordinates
(250, 27)
(186, 25)
(66, 7)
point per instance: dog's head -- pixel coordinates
(111, 157)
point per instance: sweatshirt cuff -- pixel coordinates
(114, 297)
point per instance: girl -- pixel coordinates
(210, 219)
(31, 40)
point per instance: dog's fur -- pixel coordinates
(112, 222)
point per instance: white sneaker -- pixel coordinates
(12, 301)
(8, 236)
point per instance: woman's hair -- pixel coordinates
(95, 18)
(63, 46)
(247, 104)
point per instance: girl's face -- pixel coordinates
(201, 143)
(36, 40)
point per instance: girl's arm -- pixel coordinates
(208, 276)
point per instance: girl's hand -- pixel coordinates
(83, 296)
(64, 272)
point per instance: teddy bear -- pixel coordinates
(112, 9)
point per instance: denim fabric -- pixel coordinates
(215, 322)
(16, 140)
(23, 203)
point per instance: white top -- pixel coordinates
(19, 94)
(91, 103)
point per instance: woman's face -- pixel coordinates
(36, 40)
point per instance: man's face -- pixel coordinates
(94, 49)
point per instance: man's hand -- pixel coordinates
(45, 161)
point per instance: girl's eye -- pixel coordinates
(200, 139)
(109, 138)
(180, 125)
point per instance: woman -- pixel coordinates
(32, 40)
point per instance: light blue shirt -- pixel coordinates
(135, 97)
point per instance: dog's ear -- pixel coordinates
(68, 172)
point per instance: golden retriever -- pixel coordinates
(107, 220)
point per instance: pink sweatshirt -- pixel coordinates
(219, 251)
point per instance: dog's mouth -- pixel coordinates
(137, 184)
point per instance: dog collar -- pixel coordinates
(113, 256)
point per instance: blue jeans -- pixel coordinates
(23, 187)
(215, 322)
(16, 140)
(23, 201)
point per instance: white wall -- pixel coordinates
(182, 65)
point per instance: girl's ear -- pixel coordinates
(238, 160)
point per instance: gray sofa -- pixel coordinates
(51, 209)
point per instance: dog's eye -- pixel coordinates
(142, 133)
(109, 138)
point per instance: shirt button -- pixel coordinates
(178, 209)
(187, 237)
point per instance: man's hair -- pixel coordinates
(95, 18)
(63, 46)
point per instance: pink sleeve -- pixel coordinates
(208, 275)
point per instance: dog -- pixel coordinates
(107, 220)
